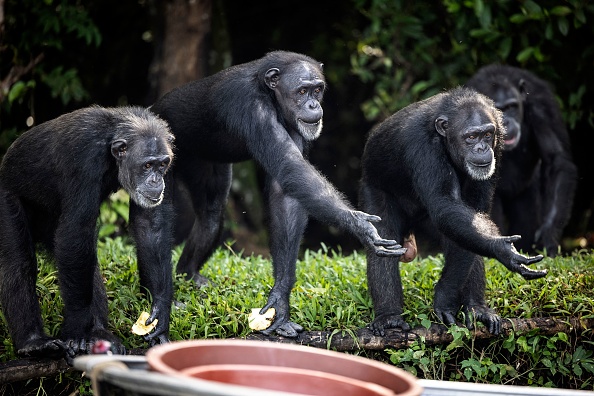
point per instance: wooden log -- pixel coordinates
(436, 334)
(343, 341)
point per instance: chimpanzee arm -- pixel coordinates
(281, 159)
(152, 232)
(440, 193)
(558, 178)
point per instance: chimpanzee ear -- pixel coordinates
(441, 125)
(522, 87)
(271, 77)
(118, 148)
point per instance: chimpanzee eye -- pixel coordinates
(147, 165)
(302, 91)
(318, 90)
(488, 135)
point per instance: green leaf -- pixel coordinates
(16, 91)
(563, 26)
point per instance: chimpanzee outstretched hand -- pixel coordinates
(160, 335)
(517, 262)
(367, 234)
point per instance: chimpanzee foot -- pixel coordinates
(79, 346)
(201, 280)
(388, 321)
(42, 346)
(484, 314)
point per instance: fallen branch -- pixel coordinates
(363, 339)
(343, 341)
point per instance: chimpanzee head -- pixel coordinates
(143, 150)
(510, 100)
(472, 127)
(298, 89)
(509, 96)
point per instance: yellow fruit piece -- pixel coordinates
(139, 328)
(261, 322)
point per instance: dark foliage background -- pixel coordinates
(378, 56)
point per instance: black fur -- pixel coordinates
(416, 168)
(535, 192)
(253, 111)
(53, 179)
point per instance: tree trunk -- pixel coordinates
(182, 28)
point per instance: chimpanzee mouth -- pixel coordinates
(511, 141)
(310, 123)
(147, 200)
(480, 164)
(309, 130)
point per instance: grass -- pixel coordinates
(331, 294)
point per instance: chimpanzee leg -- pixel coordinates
(462, 282)
(18, 274)
(152, 229)
(383, 273)
(287, 221)
(208, 185)
(85, 300)
(474, 305)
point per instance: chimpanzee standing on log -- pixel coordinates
(53, 179)
(268, 110)
(436, 160)
(538, 178)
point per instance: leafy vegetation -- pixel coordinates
(412, 50)
(331, 294)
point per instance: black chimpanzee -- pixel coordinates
(538, 178)
(268, 110)
(53, 179)
(435, 159)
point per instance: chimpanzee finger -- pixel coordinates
(369, 217)
(446, 317)
(267, 307)
(157, 339)
(387, 243)
(532, 260)
(530, 274)
(512, 238)
(395, 251)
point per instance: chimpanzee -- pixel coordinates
(53, 179)
(268, 110)
(435, 160)
(538, 178)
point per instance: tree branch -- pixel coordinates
(15, 73)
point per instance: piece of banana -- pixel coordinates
(261, 322)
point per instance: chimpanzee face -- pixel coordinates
(299, 91)
(143, 161)
(510, 100)
(471, 135)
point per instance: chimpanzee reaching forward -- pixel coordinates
(436, 159)
(268, 110)
(538, 178)
(53, 179)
